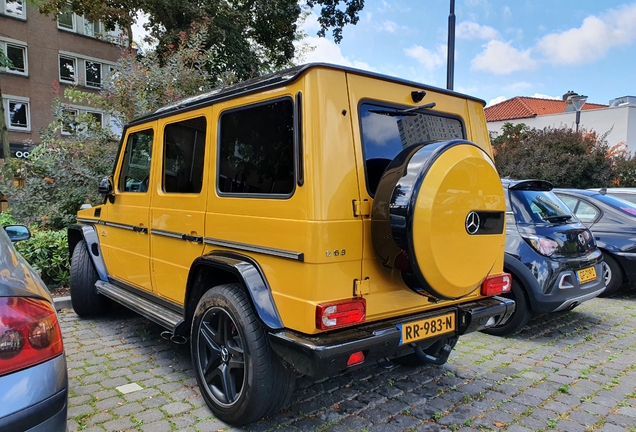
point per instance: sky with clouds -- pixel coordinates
(541, 48)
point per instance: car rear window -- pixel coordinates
(619, 204)
(386, 131)
(538, 207)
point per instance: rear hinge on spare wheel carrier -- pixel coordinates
(361, 208)
(361, 287)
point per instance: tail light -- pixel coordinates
(340, 314)
(29, 333)
(495, 285)
(543, 245)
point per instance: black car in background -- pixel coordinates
(553, 259)
(627, 194)
(612, 220)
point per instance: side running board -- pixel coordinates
(161, 315)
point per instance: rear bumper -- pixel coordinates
(567, 293)
(327, 354)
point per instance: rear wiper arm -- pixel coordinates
(407, 112)
(559, 218)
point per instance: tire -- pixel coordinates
(519, 317)
(241, 379)
(613, 274)
(84, 297)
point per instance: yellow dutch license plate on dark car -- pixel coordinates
(426, 328)
(586, 275)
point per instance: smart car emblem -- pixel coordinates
(581, 239)
(472, 223)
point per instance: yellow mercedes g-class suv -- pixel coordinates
(309, 221)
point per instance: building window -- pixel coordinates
(67, 70)
(14, 8)
(66, 20)
(17, 54)
(92, 28)
(97, 117)
(93, 74)
(17, 113)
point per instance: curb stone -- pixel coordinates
(62, 303)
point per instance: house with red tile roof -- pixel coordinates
(618, 117)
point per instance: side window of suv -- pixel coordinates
(256, 154)
(135, 171)
(183, 156)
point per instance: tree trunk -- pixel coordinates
(4, 132)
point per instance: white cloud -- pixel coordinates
(496, 100)
(507, 13)
(501, 58)
(472, 30)
(592, 40)
(429, 59)
(544, 96)
(326, 51)
(389, 26)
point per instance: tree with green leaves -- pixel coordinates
(560, 155)
(246, 38)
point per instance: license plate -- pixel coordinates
(426, 328)
(586, 275)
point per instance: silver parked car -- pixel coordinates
(33, 377)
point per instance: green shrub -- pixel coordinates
(6, 218)
(47, 252)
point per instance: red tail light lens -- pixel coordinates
(29, 333)
(495, 285)
(355, 358)
(340, 314)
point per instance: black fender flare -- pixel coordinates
(529, 282)
(88, 233)
(249, 273)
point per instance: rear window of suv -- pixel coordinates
(538, 207)
(387, 130)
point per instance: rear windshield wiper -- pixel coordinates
(407, 112)
(560, 218)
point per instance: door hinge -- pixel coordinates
(361, 287)
(361, 208)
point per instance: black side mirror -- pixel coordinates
(106, 186)
(17, 232)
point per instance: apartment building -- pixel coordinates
(48, 54)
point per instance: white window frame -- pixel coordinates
(6, 101)
(75, 69)
(78, 109)
(80, 64)
(73, 22)
(5, 11)
(92, 32)
(4, 42)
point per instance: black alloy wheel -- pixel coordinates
(221, 356)
(241, 379)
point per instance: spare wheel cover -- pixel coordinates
(442, 204)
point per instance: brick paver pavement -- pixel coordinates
(571, 371)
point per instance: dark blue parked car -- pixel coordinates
(612, 220)
(552, 257)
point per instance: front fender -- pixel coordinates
(88, 233)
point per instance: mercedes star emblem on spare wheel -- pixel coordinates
(472, 223)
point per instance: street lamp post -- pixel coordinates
(450, 56)
(577, 102)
